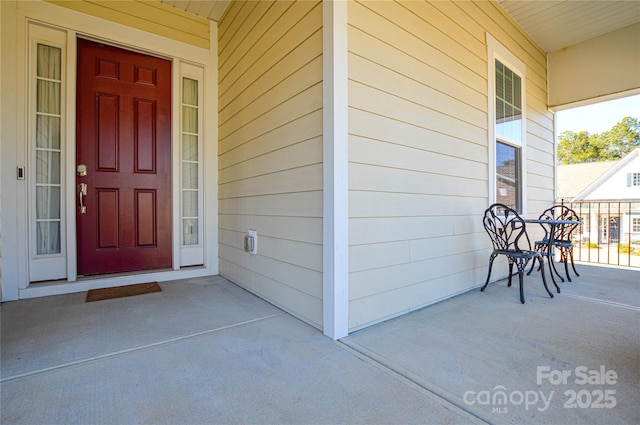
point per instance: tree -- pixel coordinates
(613, 144)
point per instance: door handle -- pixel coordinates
(82, 192)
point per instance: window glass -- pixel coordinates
(508, 104)
(48, 153)
(508, 175)
(190, 164)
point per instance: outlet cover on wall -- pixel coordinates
(253, 234)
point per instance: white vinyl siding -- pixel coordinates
(418, 149)
(270, 151)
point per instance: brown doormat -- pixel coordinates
(122, 291)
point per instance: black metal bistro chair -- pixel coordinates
(561, 237)
(508, 234)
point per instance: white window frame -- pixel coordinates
(191, 255)
(496, 51)
(633, 224)
(46, 266)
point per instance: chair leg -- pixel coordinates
(533, 264)
(566, 265)
(521, 266)
(573, 265)
(544, 279)
(510, 272)
(491, 258)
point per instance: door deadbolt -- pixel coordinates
(82, 170)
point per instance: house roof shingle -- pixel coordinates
(575, 178)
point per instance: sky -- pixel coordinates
(599, 117)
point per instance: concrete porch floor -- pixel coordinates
(204, 351)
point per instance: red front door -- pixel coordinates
(124, 141)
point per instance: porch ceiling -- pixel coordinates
(561, 23)
(554, 24)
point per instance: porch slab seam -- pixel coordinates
(431, 390)
(135, 349)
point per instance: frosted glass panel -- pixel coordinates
(190, 175)
(48, 202)
(49, 59)
(190, 92)
(47, 167)
(189, 147)
(48, 93)
(189, 204)
(190, 161)
(190, 231)
(48, 148)
(47, 132)
(48, 235)
(189, 119)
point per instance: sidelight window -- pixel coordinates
(48, 149)
(190, 162)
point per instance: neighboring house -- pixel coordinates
(607, 197)
(360, 140)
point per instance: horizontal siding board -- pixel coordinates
(373, 152)
(301, 204)
(453, 10)
(451, 245)
(306, 18)
(415, 22)
(384, 179)
(367, 311)
(295, 278)
(275, 23)
(385, 79)
(309, 307)
(299, 129)
(392, 229)
(391, 32)
(511, 36)
(294, 253)
(305, 102)
(450, 27)
(384, 204)
(385, 104)
(386, 279)
(371, 256)
(305, 153)
(228, 21)
(375, 127)
(261, 83)
(300, 179)
(248, 15)
(306, 76)
(296, 229)
(382, 53)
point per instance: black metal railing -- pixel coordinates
(609, 232)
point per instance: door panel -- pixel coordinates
(124, 139)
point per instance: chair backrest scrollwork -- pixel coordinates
(506, 229)
(560, 212)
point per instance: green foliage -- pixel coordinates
(575, 148)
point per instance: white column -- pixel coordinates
(335, 281)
